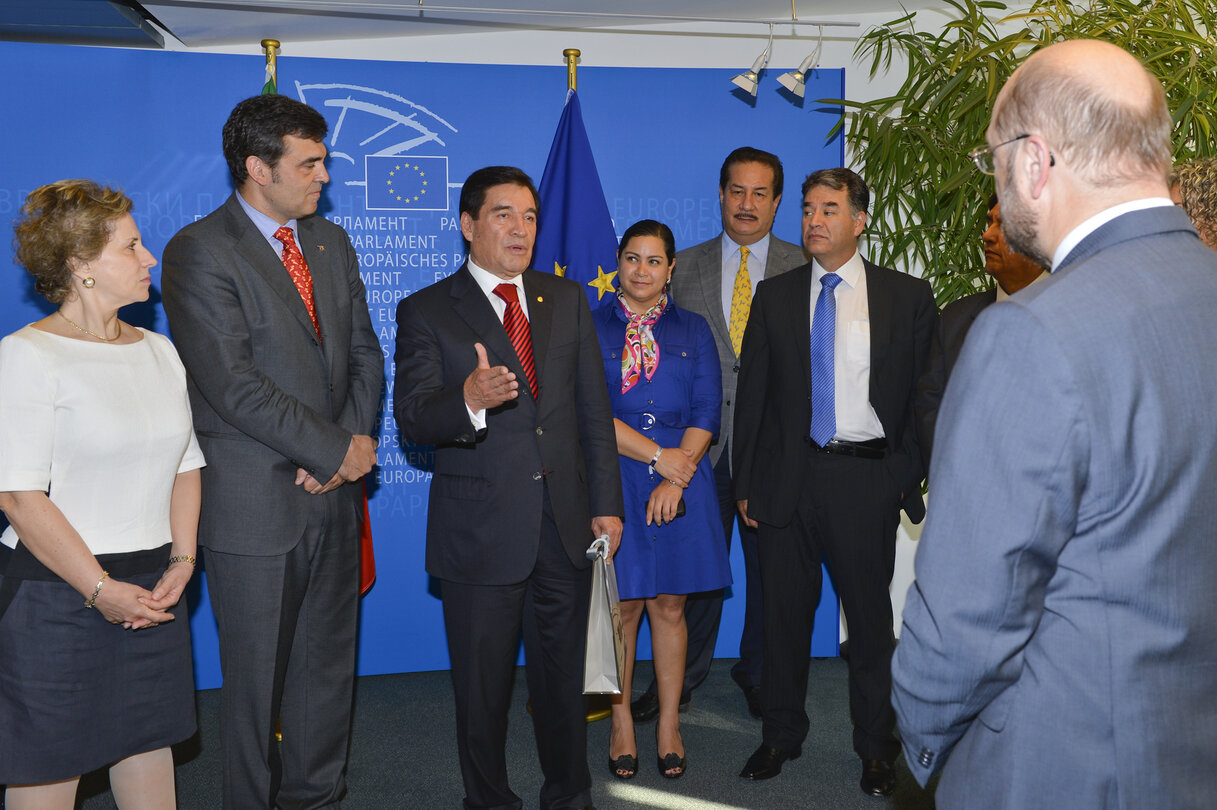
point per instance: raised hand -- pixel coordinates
(487, 387)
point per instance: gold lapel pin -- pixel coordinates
(321, 248)
(540, 299)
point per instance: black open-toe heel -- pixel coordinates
(672, 762)
(624, 766)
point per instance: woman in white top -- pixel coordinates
(99, 478)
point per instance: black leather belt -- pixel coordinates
(873, 449)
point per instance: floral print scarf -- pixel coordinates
(640, 354)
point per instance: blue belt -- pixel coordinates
(650, 421)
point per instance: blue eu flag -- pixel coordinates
(575, 235)
(406, 183)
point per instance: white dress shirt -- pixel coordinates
(487, 281)
(856, 419)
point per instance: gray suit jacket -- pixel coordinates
(697, 286)
(1060, 641)
(268, 397)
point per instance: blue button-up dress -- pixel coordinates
(689, 554)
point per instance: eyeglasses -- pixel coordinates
(983, 156)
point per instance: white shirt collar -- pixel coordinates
(758, 250)
(488, 280)
(850, 272)
(1075, 237)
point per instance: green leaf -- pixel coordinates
(911, 146)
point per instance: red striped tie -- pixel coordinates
(297, 268)
(517, 330)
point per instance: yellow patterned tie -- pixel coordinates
(741, 301)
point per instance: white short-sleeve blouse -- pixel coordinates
(103, 428)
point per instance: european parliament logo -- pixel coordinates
(406, 183)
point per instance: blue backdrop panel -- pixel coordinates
(403, 136)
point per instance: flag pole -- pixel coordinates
(571, 55)
(271, 48)
(598, 706)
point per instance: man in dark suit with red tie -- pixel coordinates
(526, 475)
(825, 457)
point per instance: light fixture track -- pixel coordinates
(422, 8)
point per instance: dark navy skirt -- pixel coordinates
(76, 692)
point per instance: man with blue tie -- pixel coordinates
(825, 457)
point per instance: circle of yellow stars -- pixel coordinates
(408, 167)
(603, 282)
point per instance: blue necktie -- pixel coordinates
(823, 387)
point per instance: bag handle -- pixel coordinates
(599, 548)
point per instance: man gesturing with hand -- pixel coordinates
(526, 474)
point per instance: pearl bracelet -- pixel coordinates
(92, 600)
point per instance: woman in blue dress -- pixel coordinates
(666, 389)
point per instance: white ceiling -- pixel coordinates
(203, 23)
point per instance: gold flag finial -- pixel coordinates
(271, 83)
(571, 55)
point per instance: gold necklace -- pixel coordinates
(80, 328)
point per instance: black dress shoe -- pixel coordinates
(647, 707)
(878, 778)
(753, 695)
(766, 762)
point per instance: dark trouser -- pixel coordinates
(846, 518)
(287, 627)
(703, 611)
(483, 627)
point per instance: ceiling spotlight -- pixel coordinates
(795, 80)
(747, 80)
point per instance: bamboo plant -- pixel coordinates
(930, 202)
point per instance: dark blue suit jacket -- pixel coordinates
(484, 514)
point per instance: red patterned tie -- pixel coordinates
(517, 330)
(297, 268)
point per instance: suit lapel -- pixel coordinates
(879, 311)
(262, 258)
(783, 254)
(325, 292)
(470, 303)
(540, 321)
(254, 248)
(799, 317)
(708, 268)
